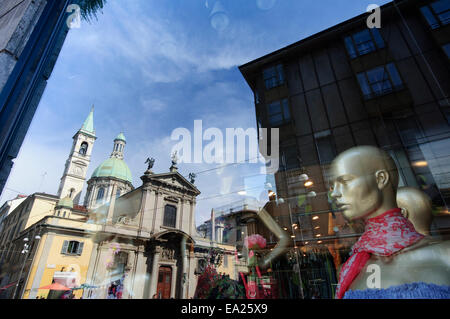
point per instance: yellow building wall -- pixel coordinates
(40, 208)
(230, 269)
(80, 264)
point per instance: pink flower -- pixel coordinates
(255, 242)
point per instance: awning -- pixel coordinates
(55, 286)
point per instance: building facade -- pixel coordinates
(148, 246)
(352, 85)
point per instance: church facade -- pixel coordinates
(147, 245)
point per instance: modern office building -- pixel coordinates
(353, 85)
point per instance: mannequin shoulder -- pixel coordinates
(427, 251)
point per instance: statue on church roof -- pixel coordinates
(151, 162)
(174, 158)
(173, 167)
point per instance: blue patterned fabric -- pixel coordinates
(416, 290)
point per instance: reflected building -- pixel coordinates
(346, 86)
(124, 243)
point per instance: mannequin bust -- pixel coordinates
(416, 206)
(364, 186)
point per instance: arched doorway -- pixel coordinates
(164, 282)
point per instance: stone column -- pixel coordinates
(140, 280)
(174, 281)
(184, 275)
(154, 275)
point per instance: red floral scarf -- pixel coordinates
(384, 235)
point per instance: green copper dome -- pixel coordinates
(113, 167)
(120, 137)
(65, 202)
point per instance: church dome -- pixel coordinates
(120, 137)
(65, 202)
(113, 167)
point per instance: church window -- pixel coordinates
(100, 194)
(72, 190)
(72, 247)
(83, 148)
(170, 216)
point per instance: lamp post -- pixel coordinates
(26, 252)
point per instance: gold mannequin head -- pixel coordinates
(364, 182)
(416, 206)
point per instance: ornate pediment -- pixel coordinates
(171, 181)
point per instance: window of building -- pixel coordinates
(170, 216)
(379, 81)
(446, 48)
(278, 112)
(363, 42)
(437, 13)
(225, 261)
(118, 193)
(325, 147)
(273, 76)
(83, 148)
(100, 194)
(238, 234)
(72, 247)
(289, 157)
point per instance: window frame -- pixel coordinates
(391, 76)
(373, 40)
(167, 219)
(74, 251)
(277, 77)
(283, 107)
(83, 148)
(97, 198)
(437, 23)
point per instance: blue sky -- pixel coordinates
(151, 66)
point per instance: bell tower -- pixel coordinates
(74, 176)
